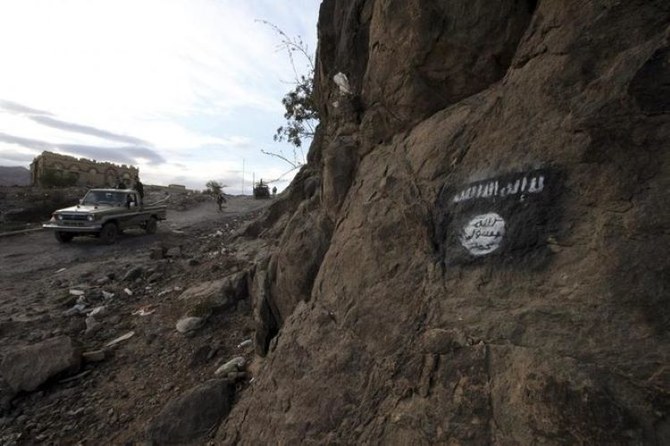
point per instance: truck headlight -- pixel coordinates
(90, 218)
(59, 216)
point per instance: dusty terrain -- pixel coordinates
(111, 401)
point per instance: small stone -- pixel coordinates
(92, 326)
(75, 326)
(212, 353)
(173, 252)
(156, 253)
(234, 365)
(121, 338)
(246, 343)
(133, 274)
(189, 324)
(94, 356)
(76, 309)
(107, 294)
(155, 277)
(98, 311)
(77, 292)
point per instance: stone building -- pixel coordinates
(53, 169)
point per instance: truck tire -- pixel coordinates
(63, 237)
(108, 233)
(151, 225)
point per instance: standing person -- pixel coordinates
(220, 199)
(119, 183)
(139, 187)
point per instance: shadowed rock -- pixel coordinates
(28, 367)
(192, 415)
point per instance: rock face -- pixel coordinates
(27, 368)
(484, 255)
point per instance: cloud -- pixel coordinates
(123, 155)
(15, 107)
(87, 130)
(46, 118)
(25, 142)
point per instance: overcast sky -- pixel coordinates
(187, 90)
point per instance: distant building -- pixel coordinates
(53, 169)
(177, 188)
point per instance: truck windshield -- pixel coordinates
(104, 197)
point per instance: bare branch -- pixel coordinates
(294, 164)
(291, 45)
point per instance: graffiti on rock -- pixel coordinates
(505, 216)
(483, 234)
(521, 186)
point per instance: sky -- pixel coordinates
(186, 90)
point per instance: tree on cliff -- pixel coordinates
(300, 109)
(301, 115)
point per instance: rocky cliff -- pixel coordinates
(476, 252)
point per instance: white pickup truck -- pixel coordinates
(105, 213)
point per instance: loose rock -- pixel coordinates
(94, 356)
(192, 415)
(189, 324)
(28, 367)
(133, 274)
(234, 365)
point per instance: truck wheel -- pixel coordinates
(151, 226)
(108, 233)
(63, 237)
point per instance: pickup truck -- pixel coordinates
(105, 213)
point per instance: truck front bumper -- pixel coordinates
(73, 227)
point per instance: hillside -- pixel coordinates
(14, 176)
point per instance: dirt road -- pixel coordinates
(39, 253)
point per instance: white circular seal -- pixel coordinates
(483, 234)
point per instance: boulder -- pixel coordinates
(193, 415)
(210, 290)
(217, 294)
(26, 368)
